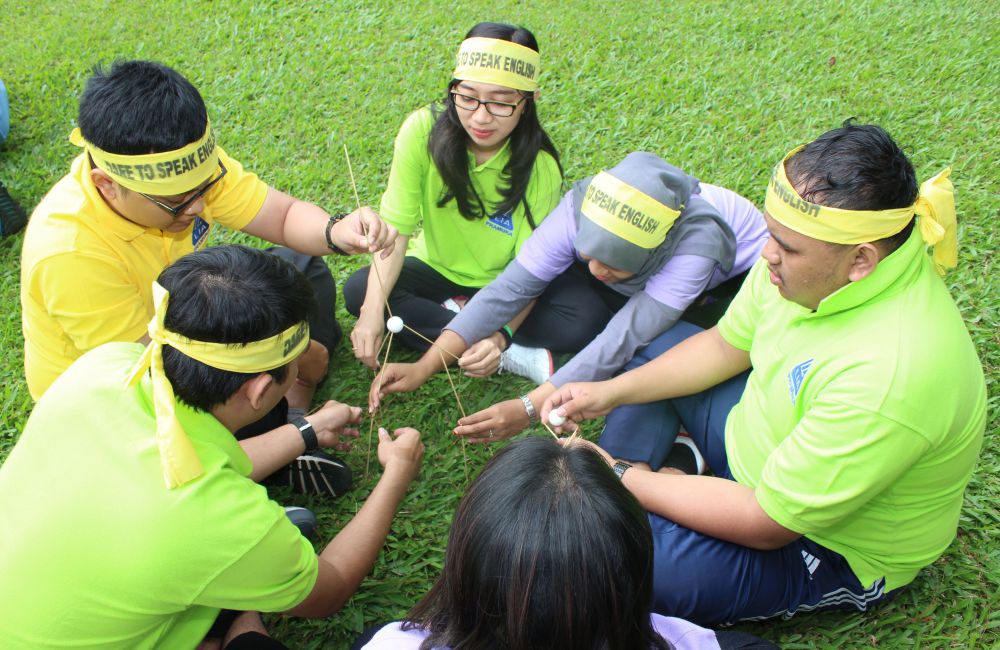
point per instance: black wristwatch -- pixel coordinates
(308, 433)
(619, 468)
(329, 229)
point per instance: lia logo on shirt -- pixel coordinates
(796, 377)
(199, 234)
(502, 223)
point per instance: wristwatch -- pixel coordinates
(530, 408)
(329, 237)
(619, 468)
(308, 433)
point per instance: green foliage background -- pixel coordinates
(722, 89)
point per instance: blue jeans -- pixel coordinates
(702, 578)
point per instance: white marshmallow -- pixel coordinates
(394, 324)
(555, 419)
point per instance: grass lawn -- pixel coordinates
(720, 89)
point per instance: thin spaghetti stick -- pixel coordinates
(371, 425)
(433, 344)
(465, 456)
(550, 431)
(357, 200)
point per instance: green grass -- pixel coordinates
(721, 89)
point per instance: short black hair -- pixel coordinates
(547, 550)
(856, 167)
(139, 107)
(228, 294)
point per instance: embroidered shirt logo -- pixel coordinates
(502, 223)
(796, 377)
(199, 234)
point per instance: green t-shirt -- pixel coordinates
(96, 552)
(862, 421)
(469, 253)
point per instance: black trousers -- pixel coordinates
(572, 310)
(323, 327)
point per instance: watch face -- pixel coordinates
(620, 468)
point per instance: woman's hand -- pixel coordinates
(483, 358)
(498, 422)
(366, 337)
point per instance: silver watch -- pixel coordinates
(619, 468)
(530, 408)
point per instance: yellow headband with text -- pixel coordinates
(498, 62)
(162, 174)
(935, 205)
(627, 212)
(177, 455)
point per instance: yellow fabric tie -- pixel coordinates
(498, 62)
(177, 455)
(161, 174)
(935, 205)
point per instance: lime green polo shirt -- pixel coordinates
(96, 552)
(87, 273)
(861, 422)
(469, 253)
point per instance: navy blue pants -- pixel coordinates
(704, 579)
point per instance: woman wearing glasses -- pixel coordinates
(476, 173)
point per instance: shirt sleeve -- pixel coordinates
(835, 460)
(632, 327)
(738, 324)
(542, 193)
(273, 576)
(682, 279)
(497, 303)
(404, 193)
(92, 298)
(237, 198)
(549, 251)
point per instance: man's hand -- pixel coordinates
(579, 401)
(363, 232)
(483, 358)
(401, 456)
(366, 338)
(498, 422)
(395, 378)
(330, 424)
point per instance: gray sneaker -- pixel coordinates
(532, 363)
(303, 519)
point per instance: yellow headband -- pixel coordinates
(627, 212)
(498, 62)
(163, 174)
(177, 455)
(935, 205)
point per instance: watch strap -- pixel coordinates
(329, 233)
(619, 468)
(530, 408)
(308, 433)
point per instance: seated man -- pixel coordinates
(841, 458)
(146, 190)
(129, 517)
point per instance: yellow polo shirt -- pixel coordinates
(86, 272)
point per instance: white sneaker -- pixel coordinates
(532, 363)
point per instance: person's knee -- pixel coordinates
(314, 363)
(354, 291)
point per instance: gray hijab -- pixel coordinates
(699, 230)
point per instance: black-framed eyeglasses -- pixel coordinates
(496, 109)
(177, 210)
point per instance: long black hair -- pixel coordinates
(547, 550)
(449, 143)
